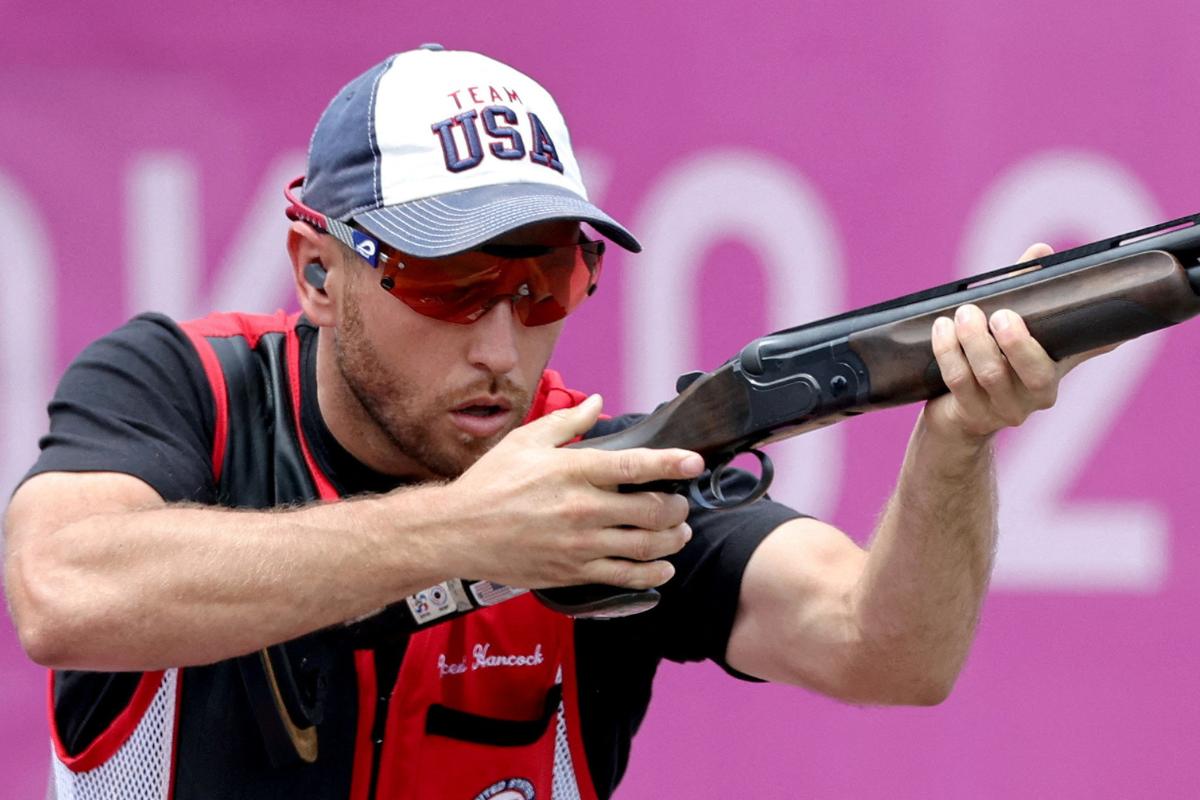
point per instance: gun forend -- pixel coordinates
(884, 355)
(1071, 313)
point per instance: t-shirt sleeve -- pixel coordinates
(137, 402)
(694, 619)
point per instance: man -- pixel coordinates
(185, 511)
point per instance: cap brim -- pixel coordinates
(450, 223)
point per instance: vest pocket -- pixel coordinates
(464, 726)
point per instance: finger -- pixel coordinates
(1036, 251)
(607, 468)
(1035, 370)
(956, 370)
(988, 364)
(629, 574)
(638, 544)
(559, 427)
(653, 511)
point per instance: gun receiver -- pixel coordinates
(798, 379)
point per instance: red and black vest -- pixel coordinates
(483, 705)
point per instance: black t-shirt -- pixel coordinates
(137, 402)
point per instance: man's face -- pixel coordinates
(442, 393)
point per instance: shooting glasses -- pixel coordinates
(544, 283)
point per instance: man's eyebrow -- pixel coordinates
(517, 250)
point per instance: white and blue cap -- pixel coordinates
(436, 151)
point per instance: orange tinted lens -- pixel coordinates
(455, 295)
(564, 286)
(544, 283)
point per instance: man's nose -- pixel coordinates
(493, 344)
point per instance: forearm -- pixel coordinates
(180, 585)
(94, 583)
(917, 602)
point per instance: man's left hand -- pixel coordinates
(996, 371)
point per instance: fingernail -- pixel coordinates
(687, 532)
(962, 313)
(692, 464)
(942, 326)
(1001, 321)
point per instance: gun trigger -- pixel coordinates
(697, 496)
(715, 500)
(687, 379)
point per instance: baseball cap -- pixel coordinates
(436, 151)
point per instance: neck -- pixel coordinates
(351, 424)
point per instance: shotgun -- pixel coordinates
(798, 379)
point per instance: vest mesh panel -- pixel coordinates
(564, 787)
(141, 767)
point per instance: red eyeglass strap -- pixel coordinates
(366, 247)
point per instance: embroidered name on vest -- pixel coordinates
(483, 658)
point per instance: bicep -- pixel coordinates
(48, 503)
(794, 622)
(51, 501)
(84, 704)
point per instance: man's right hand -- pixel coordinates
(531, 513)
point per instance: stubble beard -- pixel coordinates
(393, 406)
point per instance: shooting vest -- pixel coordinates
(484, 706)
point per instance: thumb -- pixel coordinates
(562, 426)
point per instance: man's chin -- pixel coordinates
(474, 448)
(455, 454)
(446, 448)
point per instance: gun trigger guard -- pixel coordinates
(714, 485)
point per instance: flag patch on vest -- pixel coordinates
(487, 593)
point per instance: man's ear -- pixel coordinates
(310, 255)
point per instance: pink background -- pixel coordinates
(838, 154)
